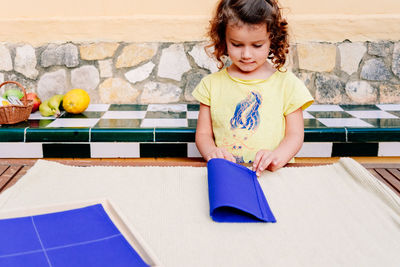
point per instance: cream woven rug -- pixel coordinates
(334, 215)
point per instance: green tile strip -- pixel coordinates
(12, 134)
(122, 135)
(57, 135)
(373, 134)
(175, 135)
(325, 135)
(182, 135)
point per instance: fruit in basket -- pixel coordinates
(76, 101)
(4, 102)
(54, 103)
(35, 99)
(14, 100)
(46, 111)
(13, 92)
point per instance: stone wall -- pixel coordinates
(335, 73)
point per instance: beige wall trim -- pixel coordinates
(128, 29)
(336, 28)
(330, 28)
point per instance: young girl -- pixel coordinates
(251, 111)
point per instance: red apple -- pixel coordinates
(36, 101)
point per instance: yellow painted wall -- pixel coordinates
(43, 21)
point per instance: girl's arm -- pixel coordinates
(205, 137)
(287, 149)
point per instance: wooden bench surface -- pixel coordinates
(13, 169)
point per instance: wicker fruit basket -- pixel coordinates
(11, 114)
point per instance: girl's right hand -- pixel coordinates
(221, 153)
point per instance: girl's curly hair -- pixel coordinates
(251, 12)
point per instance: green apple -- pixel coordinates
(13, 92)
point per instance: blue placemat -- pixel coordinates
(235, 194)
(80, 237)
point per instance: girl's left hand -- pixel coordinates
(267, 160)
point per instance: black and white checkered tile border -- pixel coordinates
(137, 150)
(178, 115)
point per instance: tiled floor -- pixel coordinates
(108, 131)
(353, 116)
(122, 116)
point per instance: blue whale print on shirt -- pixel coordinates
(246, 114)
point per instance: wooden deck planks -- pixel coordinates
(9, 174)
(385, 181)
(389, 177)
(16, 177)
(3, 168)
(395, 173)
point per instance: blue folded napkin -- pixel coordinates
(80, 238)
(235, 194)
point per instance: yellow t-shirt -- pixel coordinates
(249, 115)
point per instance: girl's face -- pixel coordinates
(247, 45)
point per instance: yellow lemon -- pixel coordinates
(76, 101)
(4, 102)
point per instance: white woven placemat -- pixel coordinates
(334, 215)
